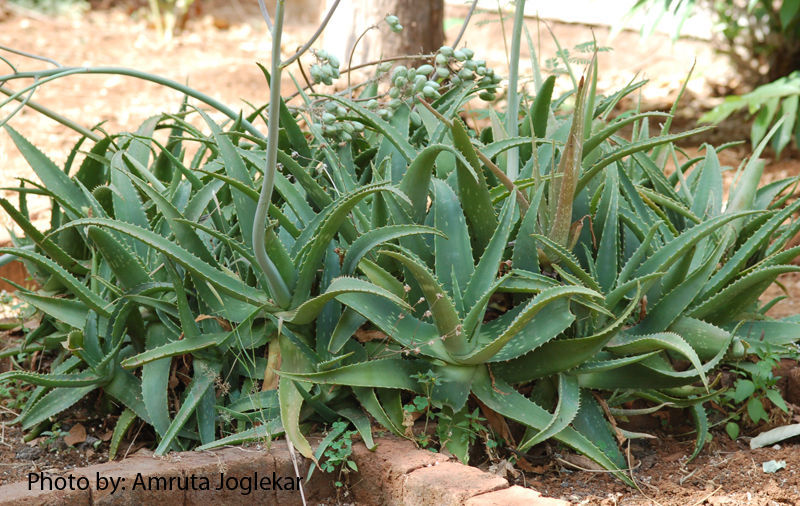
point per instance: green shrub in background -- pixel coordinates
(762, 40)
(54, 6)
(515, 268)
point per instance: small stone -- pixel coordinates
(29, 453)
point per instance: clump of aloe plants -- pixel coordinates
(539, 267)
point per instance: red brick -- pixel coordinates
(514, 496)
(448, 483)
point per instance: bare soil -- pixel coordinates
(216, 55)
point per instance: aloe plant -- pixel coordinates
(252, 264)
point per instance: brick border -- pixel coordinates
(397, 473)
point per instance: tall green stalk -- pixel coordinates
(277, 286)
(512, 115)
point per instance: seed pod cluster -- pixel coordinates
(394, 23)
(326, 69)
(335, 125)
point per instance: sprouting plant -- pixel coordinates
(338, 454)
(755, 387)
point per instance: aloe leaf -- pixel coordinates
(347, 325)
(126, 418)
(155, 376)
(370, 402)
(548, 296)
(608, 249)
(592, 424)
(267, 432)
(225, 282)
(566, 411)
(444, 313)
(184, 234)
(291, 399)
(316, 237)
(367, 241)
(308, 311)
(177, 348)
(204, 375)
(568, 259)
(700, 418)
(54, 402)
(503, 399)
(747, 250)
(52, 249)
(673, 304)
(623, 344)
(81, 379)
(77, 288)
(125, 201)
(665, 256)
(595, 140)
(416, 180)
(486, 270)
(561, 354)
(629, 149)
(472, 188)
(452, 251)
(540, 109)
(71, 312)
(235, 168)
(378, 373)
(51, 176)
(126, 266)
(728, 302)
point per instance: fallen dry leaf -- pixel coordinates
(77, 434)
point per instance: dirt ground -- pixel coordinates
(216, 55)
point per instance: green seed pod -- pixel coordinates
(346, 137)
(322, 54)
(400, 82)
(330, 129)
(348, 127)
(335, 72)
(340, 111)
(415, 118)
(412, 73)
(328, 80)
(446, 51)
(328, 118)
(327, 70)
(441, 59)
(397, 28)
(419, 83)
(432, 84)
(469, 64)
(316, 74)
(455, 80)
(384, 114)
(333, 60)
(486, 81)
(357, 126)
(399, 70)
(429, 92)
(394, 92)
(425, 69)
(488, 97)
(480, 63)
(459, 55)
(469, 53)
(384, 67)
(395, 103)
(465, 74)
(392, 20)
(372, 104)
(481, 71)
(442, 72)
(331, 106)
(496, 79)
